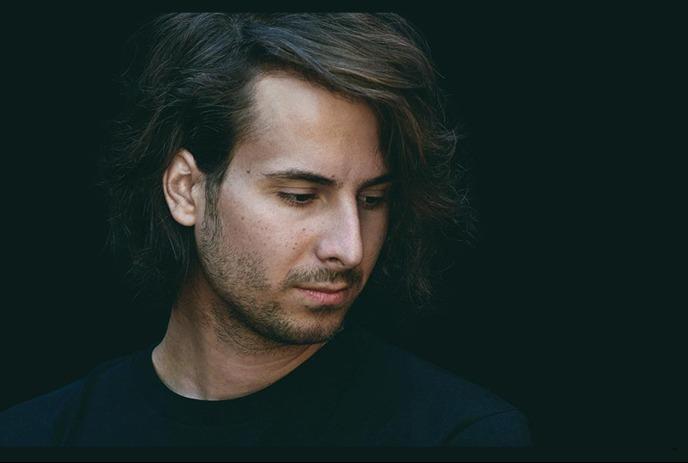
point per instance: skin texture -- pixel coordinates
(241, 322)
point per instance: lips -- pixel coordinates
(325, 295)
(324, 289)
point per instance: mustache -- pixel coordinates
(351, 277)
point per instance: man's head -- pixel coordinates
(300, 216)
(259, 149)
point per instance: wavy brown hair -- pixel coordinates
(188, 85)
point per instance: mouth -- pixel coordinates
(325, 295)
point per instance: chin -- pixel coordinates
(320, 326)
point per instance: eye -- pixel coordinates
(296, 199)
(373, 202)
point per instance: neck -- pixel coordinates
(207, 355)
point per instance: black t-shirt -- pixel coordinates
(355, 391)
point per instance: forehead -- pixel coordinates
(301, 125)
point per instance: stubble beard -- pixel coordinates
(244, 318)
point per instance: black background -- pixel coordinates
(566, 306)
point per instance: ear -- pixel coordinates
(182, 182)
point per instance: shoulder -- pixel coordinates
(38, 421)
(42, 420)
(450, 409)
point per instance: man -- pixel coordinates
(264, 164)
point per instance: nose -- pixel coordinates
(341, 244)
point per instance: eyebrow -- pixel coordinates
(312, 177)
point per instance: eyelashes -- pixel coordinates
(373, 202)
(296, 199)
(305, 199)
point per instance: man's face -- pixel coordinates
(301, 214)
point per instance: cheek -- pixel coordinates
(265, 235)
(374, 234)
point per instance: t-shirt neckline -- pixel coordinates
(329, 367)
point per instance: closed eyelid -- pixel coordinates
(296, 190)
(376, 192)
(317, 179)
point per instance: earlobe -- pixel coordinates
(178, 183)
